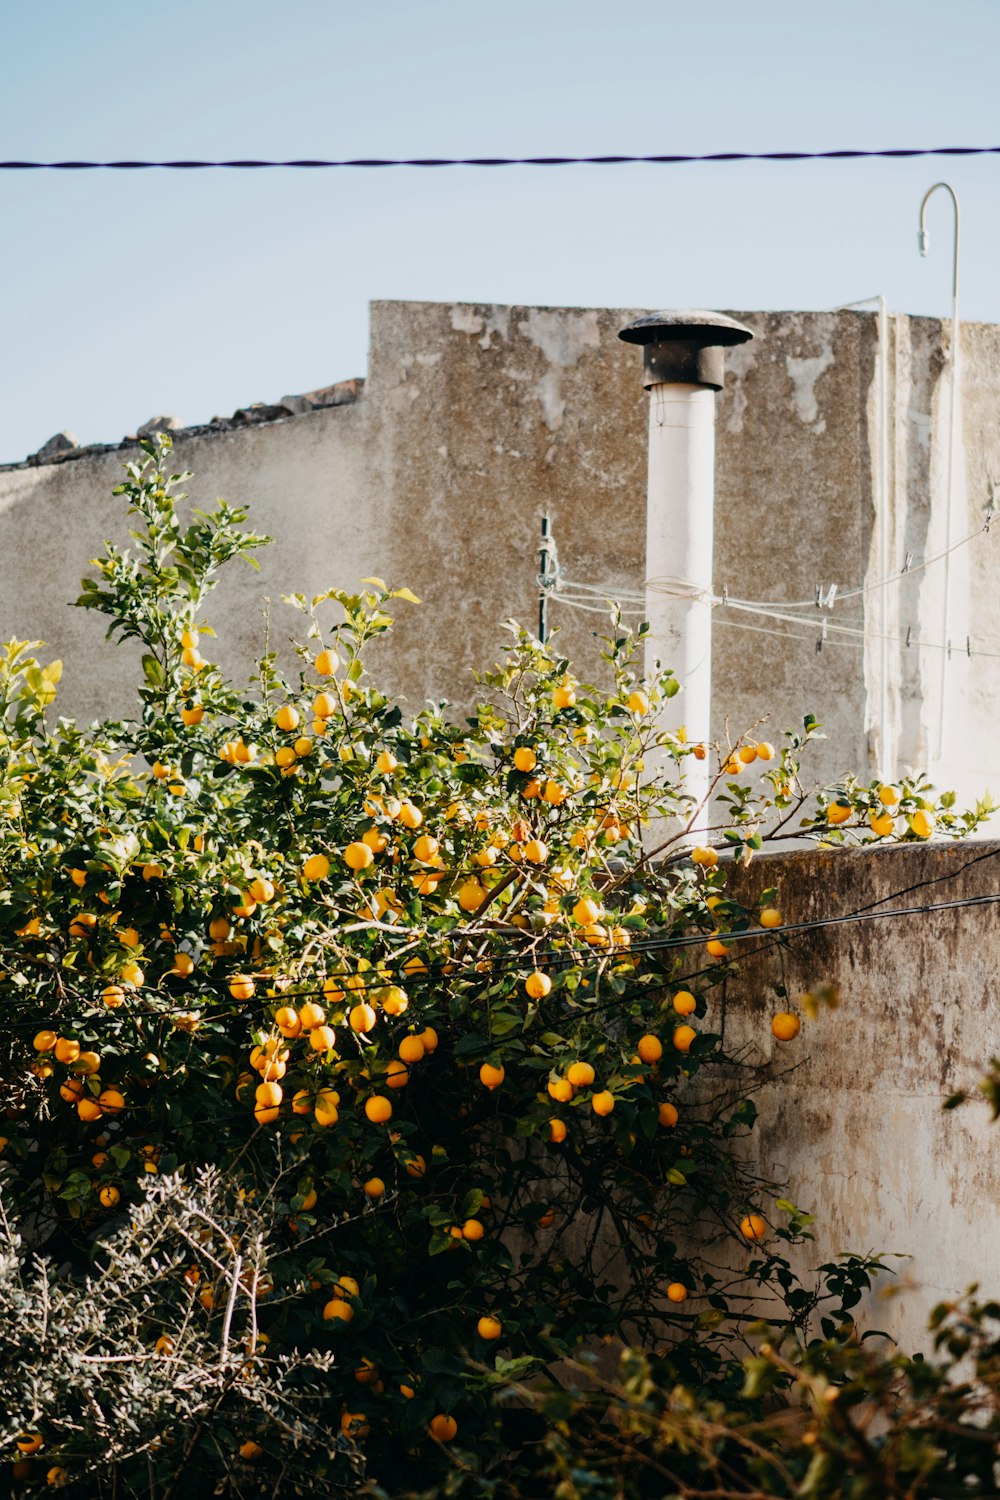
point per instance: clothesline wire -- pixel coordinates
(832, 633)
(591, 598)
(682, 588)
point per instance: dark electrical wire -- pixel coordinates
(567, 957)
(672, 159)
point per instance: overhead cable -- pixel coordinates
(659, 159)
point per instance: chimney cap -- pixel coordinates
(690, 326)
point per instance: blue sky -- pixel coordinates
(132, 295)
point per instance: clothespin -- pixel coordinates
(909, 632)
(725, 593)
(949, 650)
(908, 563)
(822, 638)
(968, 646)
(550, 575)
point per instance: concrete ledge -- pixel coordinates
(63, 447)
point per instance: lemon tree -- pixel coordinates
(438, 1025)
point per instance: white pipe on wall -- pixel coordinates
(887, 720)
(886, 751)
(679, 544)
(924, 245)
(683, 367)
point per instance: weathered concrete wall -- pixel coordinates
(476, 420)
(856, 1129)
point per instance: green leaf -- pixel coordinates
(471, 1043)
(503, 1022)
(153, 670)
(515, 1369)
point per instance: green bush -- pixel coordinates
(843, 1418)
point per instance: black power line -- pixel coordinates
(559, 958)
(672, 159)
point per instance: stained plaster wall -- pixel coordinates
(851, 1118)
(477, 419)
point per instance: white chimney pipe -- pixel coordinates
(683, 369)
